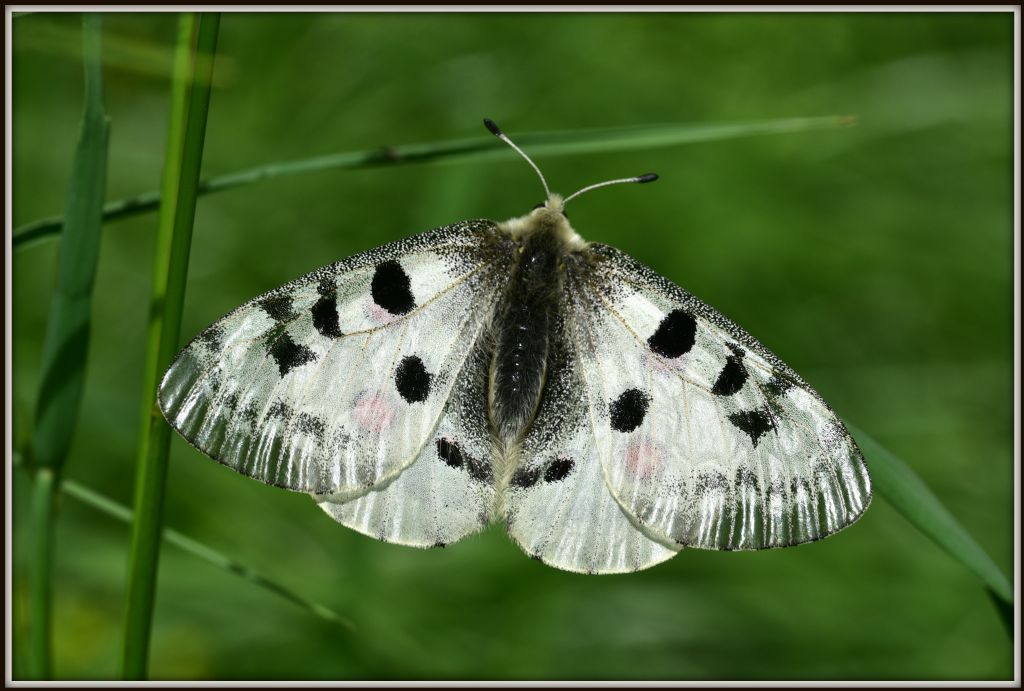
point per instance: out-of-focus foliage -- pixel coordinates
(876, 260)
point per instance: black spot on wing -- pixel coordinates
(558, 470)
(325, 316)
(310, 425)
(778, 385)
(279, 410)
(449, 452)
(745, 477)
(526, 477)
(798, 485)
(711, 482)
(732, 377)
(754, 422)
(213, 337)
(391, 288)
(326, 286)
(278, 307)
(250, 411)
(452, 454)
(289, 354)
(628, 410)
(412, 379)
(675, 334)
(478, 470)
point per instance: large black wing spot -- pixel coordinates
(675, 335)
(558, 470)
(628, 410)
(288, 354)
(325, 316)
(391, 288)
(732, 377)
(450, 452)
(412, 379)
(755, 423)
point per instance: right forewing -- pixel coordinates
(705, 437)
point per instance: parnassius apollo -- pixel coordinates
(514, 372)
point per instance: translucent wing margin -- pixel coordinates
(706, 438)
(333, 384)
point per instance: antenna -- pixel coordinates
(648, 177)
(489, 124)
(496, 131)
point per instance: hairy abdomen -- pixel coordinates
(521, 329)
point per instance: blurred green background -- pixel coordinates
(876, 260)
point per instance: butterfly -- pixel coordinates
(515, 373)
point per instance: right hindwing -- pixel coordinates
(335, 382)
(559, 509)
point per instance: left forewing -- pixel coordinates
(333, 383)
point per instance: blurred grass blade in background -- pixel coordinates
(540, 143)
(908, 494)
(190, 100)
(208, 554)
(121, 52)
(67, 336)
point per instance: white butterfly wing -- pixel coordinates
(447, 493)
(705, 437)
(559, 508)
(335, 382)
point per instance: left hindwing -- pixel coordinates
(705, 437)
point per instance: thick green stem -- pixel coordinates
(189, 106)
(43, 492)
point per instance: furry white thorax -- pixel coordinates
(549, 217)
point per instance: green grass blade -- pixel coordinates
(39, 575)
(122, 53)
(201, 551)
(537, 143)
(186, 135)
(66, 342)
(908, 494)
(67, 328)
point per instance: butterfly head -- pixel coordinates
(548, 217)
(554, 204)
